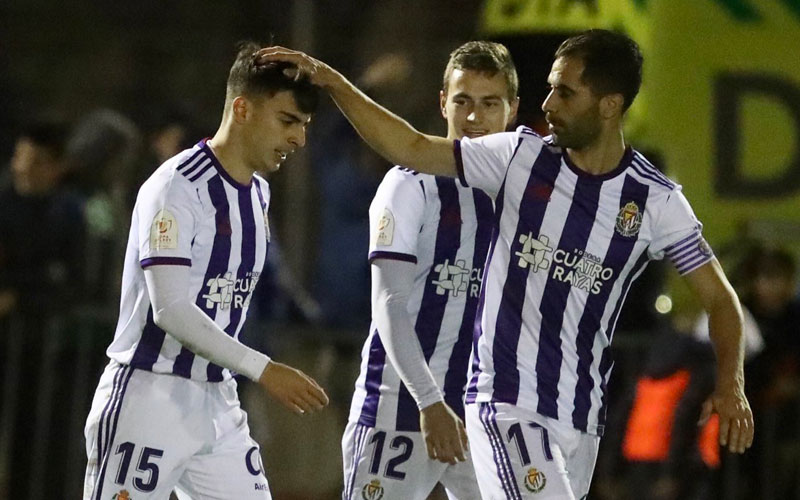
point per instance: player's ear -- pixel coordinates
(241, 109)
(610, 105)
(443, 104)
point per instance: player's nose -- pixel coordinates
(298, 140)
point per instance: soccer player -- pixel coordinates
(429, 240)
(578, 215)
(166, 414)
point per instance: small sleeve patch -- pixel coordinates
(164, 231)
(385, 228)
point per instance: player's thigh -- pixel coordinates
(515, 458)
(136, 437)
(231, 469)
(459, 481)
(381, 463)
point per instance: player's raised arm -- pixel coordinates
(709, 284)
(388, 134)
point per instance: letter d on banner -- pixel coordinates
(730, 180)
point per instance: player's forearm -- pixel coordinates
(174, 313)
(397, 333)
(389, 135)
(725, 327)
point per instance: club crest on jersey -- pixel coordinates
(372, 490)
(122, 495)
(385, 228)
(164, 231)
(535, 480)
(629, 219)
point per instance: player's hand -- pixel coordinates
(318, 72)
(735, 419)
(444, 433)
(292, 388)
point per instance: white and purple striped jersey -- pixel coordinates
(190, 212)
(445, 230)
(565, 251)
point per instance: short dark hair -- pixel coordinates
(612, 62)
(249, 78)
(484, 57)
(50, 134)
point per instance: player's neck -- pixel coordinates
(229, 154)
(600, 157)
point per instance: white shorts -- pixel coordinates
(521, 454)
(380, 463)
(148, 434)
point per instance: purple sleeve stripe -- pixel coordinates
(691, 266)
(670, 248)
(165, 261)
(459, 162)
(682, 248)
(684, 251)
(686, 257)
(393, 256)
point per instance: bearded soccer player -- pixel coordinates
(429, 240)
(578, 215)
(166, 414)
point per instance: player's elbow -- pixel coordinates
(166, 316)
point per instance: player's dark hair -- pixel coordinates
(612, 62)
(485, 57)
(249, 78)
(49, 134)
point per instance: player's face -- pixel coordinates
(571, 109)
(276, 129)
(33, 167)
(476, 104)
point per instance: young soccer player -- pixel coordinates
(429, 241)
(166, 414)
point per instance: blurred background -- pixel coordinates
(94, 95)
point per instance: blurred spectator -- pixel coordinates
(42, 245)
(668, 455)
(768, 290)
(104, 150)
(41, 256)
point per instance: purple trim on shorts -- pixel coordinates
(405, 257)
(504, 470)
(116, 408)
(165, 261)
(360, 435)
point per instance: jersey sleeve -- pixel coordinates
(482, 162)
(166, 215)
(396, 215)
(678, 236)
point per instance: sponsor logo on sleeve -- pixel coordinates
(164, 231)
(385, 228)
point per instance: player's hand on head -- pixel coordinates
(319, 73)
(736, 428)
(444, 433)
(292, 388)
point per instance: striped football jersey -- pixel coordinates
(565, 251)
(190, 212)
(444, 229)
